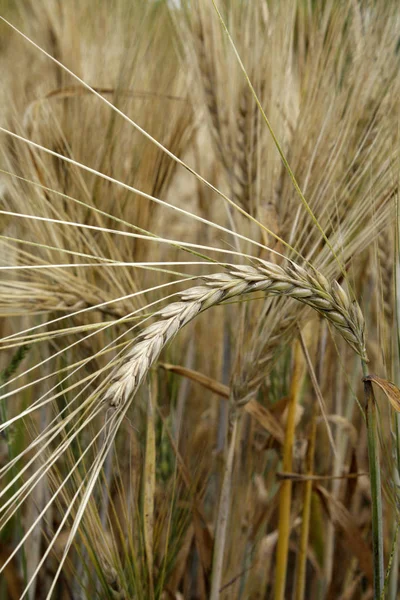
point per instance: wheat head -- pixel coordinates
(305, 285)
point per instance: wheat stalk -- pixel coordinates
(307, 286)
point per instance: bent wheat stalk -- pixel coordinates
(305, 285)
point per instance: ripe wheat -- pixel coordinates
(307, 286)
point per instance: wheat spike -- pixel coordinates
(307, 286)
(385, 258)
(245, 160)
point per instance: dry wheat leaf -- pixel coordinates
(262, 415)
(342, 518)
(391, 391)
(344, 424)
(207, 382)
(266, 419)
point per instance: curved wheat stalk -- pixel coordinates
(307, 286)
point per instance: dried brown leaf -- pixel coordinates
(342, 518)
(390, 390)
(262, 415)
(266, 419)
(207, 382)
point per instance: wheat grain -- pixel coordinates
(306, 286)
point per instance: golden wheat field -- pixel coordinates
(199, 269)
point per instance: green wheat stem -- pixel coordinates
(376, 489)
(392, 561)
(5, 375)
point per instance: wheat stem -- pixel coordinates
(306, 514)
(285, 492)
(223, 517)
(376, 490)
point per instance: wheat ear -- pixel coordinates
(307, 286)
(385, 266)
